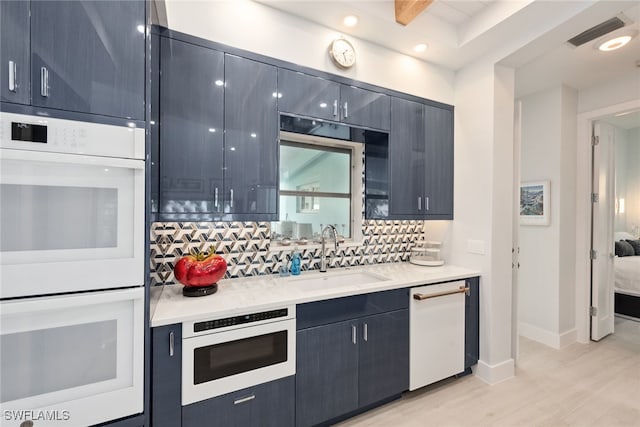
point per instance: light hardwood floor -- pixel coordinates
(595, 384)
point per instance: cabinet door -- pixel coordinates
(14, 51)
(384, 356)
(191, 128)
(265, 405)
(326, 372)
(363, 107)
(166, 375)
(154, 123)
(88, 56)
(406, 160)
(251, 137)
(308, 95)
(438, 125)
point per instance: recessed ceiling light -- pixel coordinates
(420, 47)
(616, 40)
(350, 20)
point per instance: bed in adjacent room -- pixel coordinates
(627, 275)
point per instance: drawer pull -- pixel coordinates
(244, 399)
(421, 297)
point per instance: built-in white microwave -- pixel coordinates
(72, 206)
(222, 355)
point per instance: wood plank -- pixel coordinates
(407, 10)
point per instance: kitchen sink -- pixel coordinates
(336, 280)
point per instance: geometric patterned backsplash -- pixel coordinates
(246, 246)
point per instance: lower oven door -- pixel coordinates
(223, 362)
(76, 360)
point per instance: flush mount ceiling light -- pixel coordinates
(350, 20)
(420, 47)
(616, 41)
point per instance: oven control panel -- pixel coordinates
(240, 320)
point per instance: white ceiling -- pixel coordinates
(459, 32)
(625, 120)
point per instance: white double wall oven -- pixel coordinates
(72, 221)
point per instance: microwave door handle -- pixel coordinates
(79, 159)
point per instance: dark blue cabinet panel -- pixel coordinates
(384, 356)
(166, 375)
(14, 51)
(154, 122)
(472, 323)
(307, 95)
(266, 405)
(88, 56)
(191, 128)
(420, 161)
(406, 159)
(362, 107)
(326, 372)
(438, 193)
(251, 137)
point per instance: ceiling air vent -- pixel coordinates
(597, 31)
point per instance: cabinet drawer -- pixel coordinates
(339, 309)
(266, 405)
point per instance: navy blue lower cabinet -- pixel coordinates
(384, 356)
(352, 353)
(266, 405)
(326, 372)
(472, 323)
(166, 375)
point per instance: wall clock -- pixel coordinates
(342, 53)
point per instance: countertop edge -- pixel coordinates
(168, 306)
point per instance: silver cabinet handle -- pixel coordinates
(172, 344)
(12, 76)
(354, 337)
(244, 399)
(215, 197)
(44, 81)
(419, 203)
(346, 109)
(231, 198)
(365, 332)
(335, 107)
(426, 199)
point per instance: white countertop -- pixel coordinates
(259, 293)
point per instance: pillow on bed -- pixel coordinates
(635, 244)
(622, 235)
(624, 248)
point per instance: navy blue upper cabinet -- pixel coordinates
(363, 107)
(308, 95)
(191, 128)
(251, 137)
(88, 56)
(316, 97)
(406, 159)
(438, 193)
(420, 161)
(14, 51)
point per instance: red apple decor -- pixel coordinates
(199, 272)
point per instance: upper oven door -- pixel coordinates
(79, 358)
(69, 222)
(223, 362)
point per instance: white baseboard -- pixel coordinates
(493, 374)
(551, 339)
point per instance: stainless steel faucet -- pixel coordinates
(323, 257)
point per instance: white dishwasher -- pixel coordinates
(437, 319)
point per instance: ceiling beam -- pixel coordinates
(407, 10)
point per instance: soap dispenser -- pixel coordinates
(295, 262)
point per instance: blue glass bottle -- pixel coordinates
(295, 263)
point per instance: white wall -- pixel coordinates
(621, 156)
(629, 142)
(610, 93)
(547, 253)
(258, 28)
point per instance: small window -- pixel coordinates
(316, 188)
